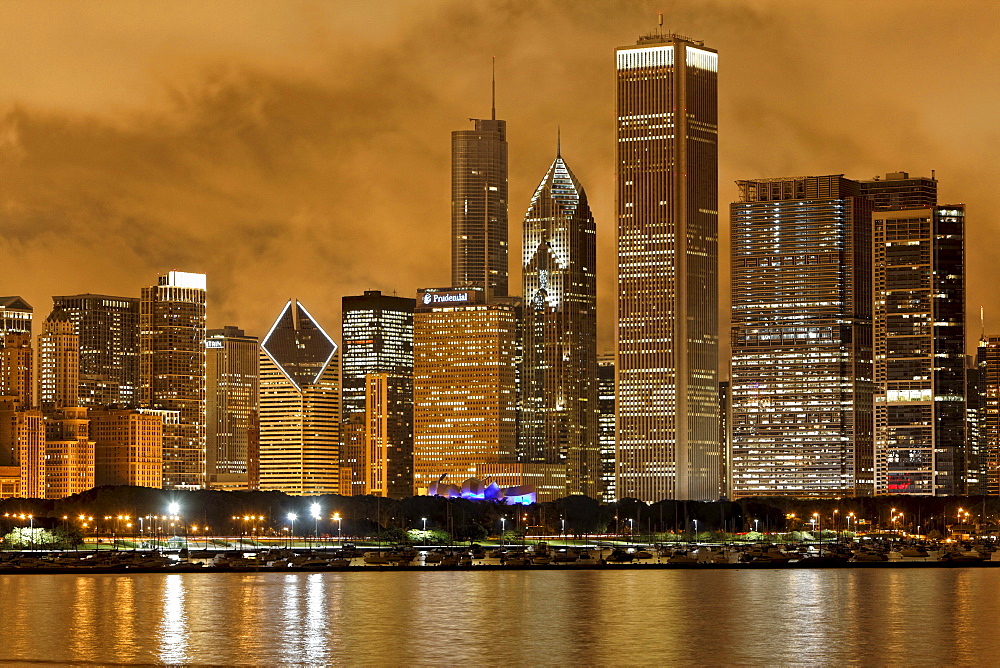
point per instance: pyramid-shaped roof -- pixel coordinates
(299, 346)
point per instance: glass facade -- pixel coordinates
(667, 210)
(988, 366)
(559, 368)
(606, 424)
(919, 275)
(801, 386)
(233, 368)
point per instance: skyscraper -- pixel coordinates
(988, 363)
(559, 368)
(667, 207)
(17, 359)
(801, 386)
(233, 370)
(606, 424)
(465, 354)
(172, 370)
(58, 362)
(898, 190)
(479, 206)
(377, 355)
(919, 277)
(15, 316)
(107, 328)
(299, 406)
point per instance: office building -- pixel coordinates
(233, 369)
(17, 359)
(128, 447)
(919, 276)
(299, 406)
(15, 316)
(801, 378)
(22, 444)
(988, 366)
(377, 356)
(667, 209)
(559, 368)
(898, 190)
(606, 424)
(465, 357)
(69, 453)
(107, 328)
(479, 206)
(58, 362)
(725, 437)
(975, 462)
(172, 370)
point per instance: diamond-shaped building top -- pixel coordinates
(298, 345)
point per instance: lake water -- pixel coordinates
(818, 617)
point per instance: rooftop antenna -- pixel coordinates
(494, 88)
(982, 322)
(659, 20)
(558, 141)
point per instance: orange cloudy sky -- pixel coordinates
(302, 148)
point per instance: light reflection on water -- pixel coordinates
(817, 617)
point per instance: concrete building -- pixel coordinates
(22, 444)
(233, 389)
(107, 329)
(559, 366)
(17, 360)
(128, 447)
(172, 370)
(667, 210)
(69, 453)
(801, 382)
(299, 406)
(58, 363)
(464, 383)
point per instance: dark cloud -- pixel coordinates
(302, 148)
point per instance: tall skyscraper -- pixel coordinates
(17, 359)
(58, 362)
(975, 461)
(988, 364)
(919, 277)
(479, 206)
(172, 370)
(377, 356)
(559, 368)
(107, 328)
(233, 371)
(465, 354)
(801, 386)
(667, 207)
(606, 424)
(299, 406)
(15, 316)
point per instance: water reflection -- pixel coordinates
(884, 617)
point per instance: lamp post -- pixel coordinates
(340, 534)
(503, 526)
(291, 526)
(315, 511)
(424, 520)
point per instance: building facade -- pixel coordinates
(107, 330)
(465, 357)
(17, 359)
(559, 368)
(919, 278)
(667, 209)
(377, 356)
(988, 414)
(801, 378)
(15, 316)
(479, 207)
(58, 363)
(299, 406)
(233, 388)
(69, 453)
(606, 424)
(898, 190)
(128, 447)
(172, 370)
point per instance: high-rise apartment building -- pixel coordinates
(377, 355)
(299, 406)
(606, 424)
(559, 369)
(801, 379)
(22, 445)
(58, 362)
(988, 365)
(667, 208)
(15, 316)
(128, 447)
(919, 317)
(233, 370)
(898, 190)
(975, 461)
(479, 206)
(172, 370)
(17, 359)
(465, 355)
(107, 328)
(69, 453)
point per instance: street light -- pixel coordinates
(340, 535)
(315, 511)
(291, 525)
(424, 520)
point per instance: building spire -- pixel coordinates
(494, 88)
(558, 141)
(982, 323)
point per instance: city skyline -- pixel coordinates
(165, 214)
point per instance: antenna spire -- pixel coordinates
(982, 322)
(558, 141)
(494, 88)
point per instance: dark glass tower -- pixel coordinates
(668, 331)
(801, 385)
(479, 206)
(378, 355)
(919, 275)
(898, 190)
(559, 369)
(108, 328)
